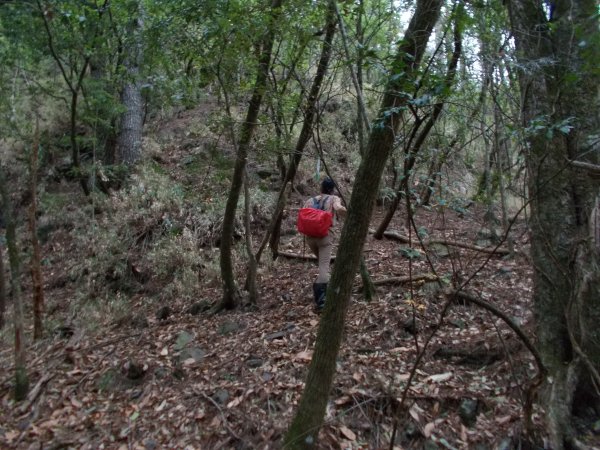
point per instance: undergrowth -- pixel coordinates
(155, 241)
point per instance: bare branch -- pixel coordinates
(593, 169)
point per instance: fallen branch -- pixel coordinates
(539, 378)
(40, 359)
(478, 356)
(407, 279)
(396, 236)
(405, 240)
(477, 248)
(592, 169)
(511, 324)
(35, 392)
(225, 421)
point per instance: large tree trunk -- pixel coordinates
(305, 426)
(230, 291)
(558, 84)
(129, 138)
(21, 379)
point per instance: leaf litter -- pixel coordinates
(241, 389)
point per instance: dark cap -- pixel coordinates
(327, 186)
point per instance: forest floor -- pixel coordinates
(181, 377)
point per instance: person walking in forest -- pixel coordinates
(317, 220)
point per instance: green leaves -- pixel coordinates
(541, 125)
(410, 253)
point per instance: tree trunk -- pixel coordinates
(485, 190)
(362, 122)
(558, 84)
(21, 379)
(252, 264)
(2, 288)
(35, 265)
(230, 291)
(308, 419)
(74, 145)
(129, 138)
(433, 174)
(357, 78)
(502, 158)
(73, 77)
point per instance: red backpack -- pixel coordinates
(315, 221)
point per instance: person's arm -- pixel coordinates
(339, 209)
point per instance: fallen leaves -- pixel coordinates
(175, 404)
(347, 433)
(304, 356)
(439, 378)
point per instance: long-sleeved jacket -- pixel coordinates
(331, 203)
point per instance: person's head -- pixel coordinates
(327, 186)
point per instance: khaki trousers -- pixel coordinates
(321, 247)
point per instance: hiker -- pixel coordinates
(321, 246)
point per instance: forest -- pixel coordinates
(155, 291)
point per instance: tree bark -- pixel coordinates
(2, 289)
(556, 54)
(433, 174)
(231, 294)
(308, 419)
(129, 138)
(362, 122)
(502, 159)
(21, 379)
(252, 263)
(35, 265)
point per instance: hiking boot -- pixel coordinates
(319, 291)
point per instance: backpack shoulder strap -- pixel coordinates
(324, 200)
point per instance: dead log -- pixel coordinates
(478, 356)
(477, 248)
(420, 277)
(396, 236)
